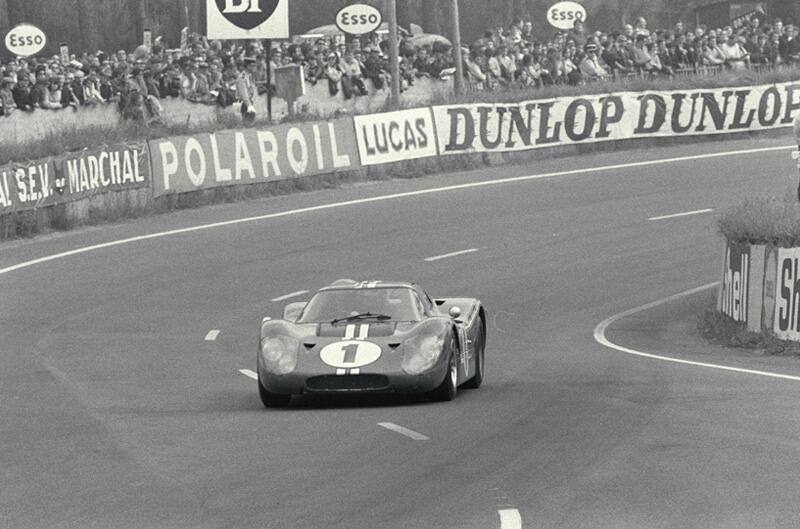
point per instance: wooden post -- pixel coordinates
(268, 45)
(457, 55)
(394, 59)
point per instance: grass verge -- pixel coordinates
(722, 330)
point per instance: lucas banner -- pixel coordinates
(395, 136)
(498, 127)
(73, 176)
(252, 156)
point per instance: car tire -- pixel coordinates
(480, 357)
(272, 400)
(449, 387)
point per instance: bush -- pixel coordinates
(763, 220)
(720, 329)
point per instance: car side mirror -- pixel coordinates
(293, 310)
(455, 312)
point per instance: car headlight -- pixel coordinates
(421, 353)
(279, 354)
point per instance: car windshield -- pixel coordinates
(396, 303)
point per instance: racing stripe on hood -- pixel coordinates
(350, 331)
(361, 334)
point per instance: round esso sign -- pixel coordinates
(358, 19)
(563, 15)
(25, 40)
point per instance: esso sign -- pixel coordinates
(563, 15)
(25, 40)
(358, 19)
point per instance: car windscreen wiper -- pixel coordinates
(362, 316)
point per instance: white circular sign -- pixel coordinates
(563, 15)
(358, 19)
(25, 40)
(350, 354)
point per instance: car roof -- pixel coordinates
(349, 284)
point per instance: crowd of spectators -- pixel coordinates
(225, 72)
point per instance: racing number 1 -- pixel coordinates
(350, 351)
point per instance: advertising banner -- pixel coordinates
(735, 286)
(73, 176)
(499, 127)
(787, 295)
(251, 156)
(395, 136)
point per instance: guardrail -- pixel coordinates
(151, 171)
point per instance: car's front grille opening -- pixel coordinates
(348, 383)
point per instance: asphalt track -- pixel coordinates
(121, 409)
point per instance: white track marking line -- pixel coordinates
(290, 296)
(448, 255)
(404, 431)
(249, 374)
(676, 215)
(600, 337)
(381, 198)
(510, 519)
(212, 335)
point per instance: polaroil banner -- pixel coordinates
(499, 127)
(251, 156)
(73, 176)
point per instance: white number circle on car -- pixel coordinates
(350, 354)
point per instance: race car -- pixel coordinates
(372, 337)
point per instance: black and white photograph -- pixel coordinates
(400, 264)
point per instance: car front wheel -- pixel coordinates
(449, 387)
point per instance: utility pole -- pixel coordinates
(394, 59)
(457, 54)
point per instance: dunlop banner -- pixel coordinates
(498, 127)
(73, 176)
(252, 156)
(395, 136)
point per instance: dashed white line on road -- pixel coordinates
(212, 335)
(290, 296)
(404, 431)
(323, 207)
(510, 519)
(249, 374)
(448, 255)
(686, 214)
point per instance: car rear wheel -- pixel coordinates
(480, 346)
(272, 400)
(449, 386)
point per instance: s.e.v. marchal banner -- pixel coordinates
(73, 176)
(527, 125)
(252, 156)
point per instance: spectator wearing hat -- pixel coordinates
(7, 104)
(591, 66)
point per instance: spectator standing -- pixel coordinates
(333, 73)
(246, 89)
(352, 76)
(712, 53)
(7, 103)
(375, 68)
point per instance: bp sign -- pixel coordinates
(358, 19)
(247, 19)
(563, 15)
(25, 40)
